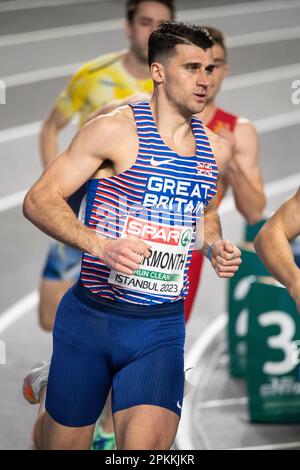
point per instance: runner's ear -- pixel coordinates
(157, 72)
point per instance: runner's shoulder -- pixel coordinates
(112, 127)
(245, 129)
(98, 65)
(220, 147)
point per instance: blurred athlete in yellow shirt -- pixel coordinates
(97, 84)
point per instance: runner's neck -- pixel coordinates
(137, 69)
(208, 113)
(171, 126)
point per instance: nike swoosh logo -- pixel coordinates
(160, 162)
(178, 405)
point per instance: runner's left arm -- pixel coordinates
(243, 172)
(225, 257)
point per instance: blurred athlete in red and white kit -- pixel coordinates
(243, 172)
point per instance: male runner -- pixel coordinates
(272, 245)
(113, 76)
(98, 84)
(122, 325)
(243, 172)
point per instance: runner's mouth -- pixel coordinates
(202, 97)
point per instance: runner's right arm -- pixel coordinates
(45, 204)
(68, 103)
(51, 127)
(272, 244)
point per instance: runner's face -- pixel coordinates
(220, 71)
(186, 77)
(148, 16)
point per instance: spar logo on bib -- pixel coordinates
(158, 233)
(162, 273)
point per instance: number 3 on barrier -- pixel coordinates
(283, 341)
(273, 354)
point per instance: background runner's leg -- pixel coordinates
(51, 293)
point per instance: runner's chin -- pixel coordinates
(198, 103)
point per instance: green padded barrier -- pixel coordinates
(273, 354)
(251, 231)
(237, 307)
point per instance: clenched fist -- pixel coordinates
(226, 258)
(123, 254)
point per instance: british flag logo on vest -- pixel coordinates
(205, 169)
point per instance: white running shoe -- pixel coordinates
(34, 381)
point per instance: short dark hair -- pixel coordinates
(219, 38)
(168, 35)
(132, 6)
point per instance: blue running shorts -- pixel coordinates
(98, 344)
(63, 263)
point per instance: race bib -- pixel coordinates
(163, 272)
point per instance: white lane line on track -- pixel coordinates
(280, 121)
(231, 83)
(237, 9)
(260, 77)
(205, 340)
(274, 188)
(20, 132)
(210, 12)
(18, 310)
(263, 125)
(263, 37)
(15, 5)
(221, 403)
(40, 75)
(237, 40)
(118, 24)
(283, 445)
(289, 183)
(61, 32)
(11, 201)
(26, 130)
(184, 439)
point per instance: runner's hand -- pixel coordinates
(124, 254)
(226, 258)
